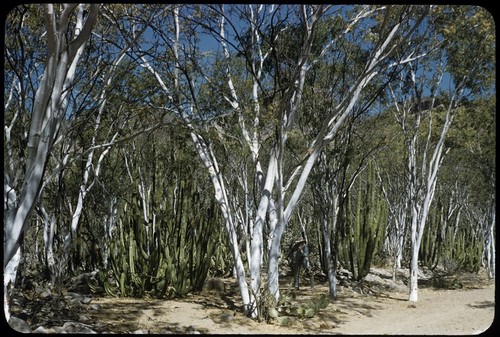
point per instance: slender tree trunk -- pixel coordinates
(221, 197)
(273, 263)
(329, 129)
(48, 240)
(257, 237)
(109, 228)
(329, 258)
(399, 238)
(46, 116)
(413, 293)
(9, 278)
(490, 247)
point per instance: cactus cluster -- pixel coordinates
(458, 247)
(463, 250)
(365, 226)
(432, 240)
(171, 253)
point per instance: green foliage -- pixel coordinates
(469, 39)
(288, 306)
(168, 228)
(472, 157)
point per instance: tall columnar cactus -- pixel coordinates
(432, 242)
(365, 226)
(462, 249)
(170, 254)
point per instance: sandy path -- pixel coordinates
(452, 312)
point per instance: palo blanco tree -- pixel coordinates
(230, 210)
(67, 96)
(393, 32)
(68, 28)
(239, 31)
(395, 26)
(98, 146)
(415, 101)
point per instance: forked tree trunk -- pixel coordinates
(46, 116)
(329, 128)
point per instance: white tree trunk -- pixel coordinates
(9, 279)
(48, 240)
(209, 161)
(422, 172)
(47, 113)
(490, 247)
(329, 128)
(257, 237)
(413, 287)
(286, 113)
(221, 197)
(84, 189)
(328, 256)
(398, 209)
(400, 239)
(86, 185)
(109, 228)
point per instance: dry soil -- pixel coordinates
(467, 310)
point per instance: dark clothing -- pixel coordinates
(298, 256)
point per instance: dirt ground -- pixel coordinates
(468, 308)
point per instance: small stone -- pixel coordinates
(76, 302)
(58, 329)
(165, 332)
(140, 332)
(71, 295)
(46, 294)
(46, 330)
(225, 317)
(41, 329)
(100, 326)
(86, 299)
(84, 318)
(95, 306)
(19, 325)
(75, 327)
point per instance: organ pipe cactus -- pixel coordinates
(171, 252)
(432, 242)
(463, 250)
(365, 227)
